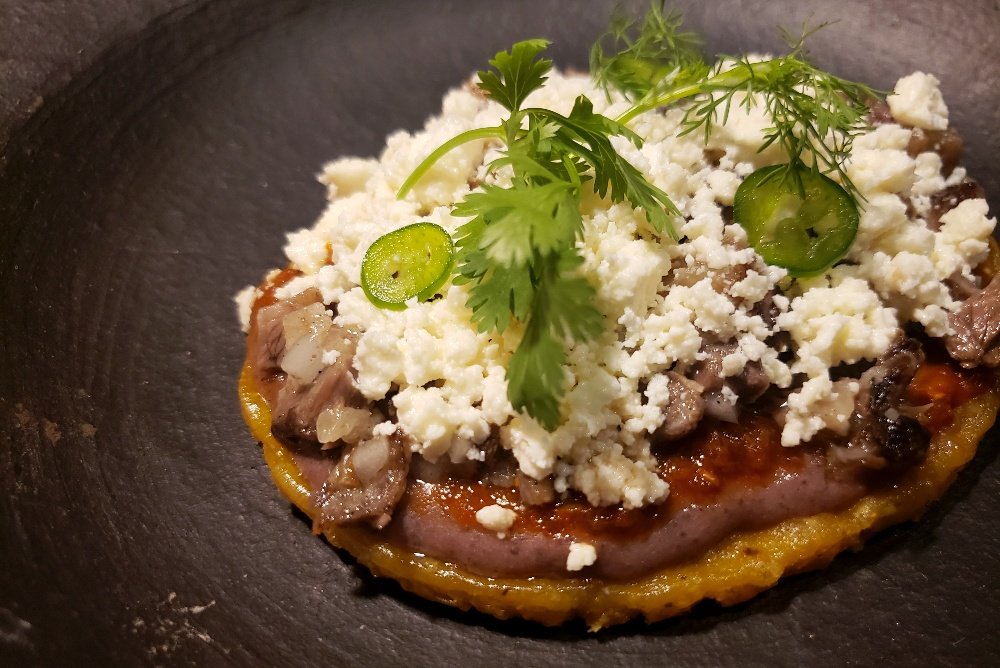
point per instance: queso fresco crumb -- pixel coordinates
(447, 381)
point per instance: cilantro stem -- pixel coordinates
(659, 101)
(440, 151)
(723, 81)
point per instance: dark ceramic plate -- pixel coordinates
(155, 155)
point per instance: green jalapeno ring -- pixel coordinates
(413, 261)
(805, 235)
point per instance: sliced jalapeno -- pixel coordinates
(413, 261)
(805, 235)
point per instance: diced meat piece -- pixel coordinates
(748, 385)
(502, 470)
(443, 469)
(296, 402)
(496, 466)
(684, 408)
(945, 200)
(751, 383)
(975, 327)
(714, 155)
(961, 288)
(270, 339)
(299, 405)
(707, 371)
(879, 113)
(722, 280)
(535, 492)
(720, 407)
(365, 485)
(884, 432)
(767, 309)
(946, 143)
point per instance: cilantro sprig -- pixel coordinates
(815, 115)
(653, 54)
(518, 251)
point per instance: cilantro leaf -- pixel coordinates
(500, 294)
(588, 134)
(496, 293)
(525, 219)
(569, 302)
(562, 309)
(535, 377)
(516, 73)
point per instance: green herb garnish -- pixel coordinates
(805, 234)
(816, 115)
(518, 252)
(654, 56)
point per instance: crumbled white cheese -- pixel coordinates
(927, 169)
(580, 556)
(917, 101)
(496, 518)
(347, 176)
(820, 404)
(447, 181)
(744, 132)
(961, 243)
(306, 250)
(881, 170)
(841, 323)
(244, 306)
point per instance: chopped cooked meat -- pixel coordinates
(748, 385)
(975, 327)
(707, 371)
(496, 465)
(297, 400)
(714, 156)
(299, 405)
(961, 288)
(443, 469)
(366, 484)
(270, 337)
(499, 467)
(722, 279)
(502, 469)
(945, 200)
(879, 113)
(884, 433)
(751, 383)
(721, 407)
(684, 408)
(946, 143)
(535, 492)
(767, 309)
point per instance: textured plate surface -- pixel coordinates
(156, 153)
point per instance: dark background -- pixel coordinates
(152, 156)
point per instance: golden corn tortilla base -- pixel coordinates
(741, 566)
